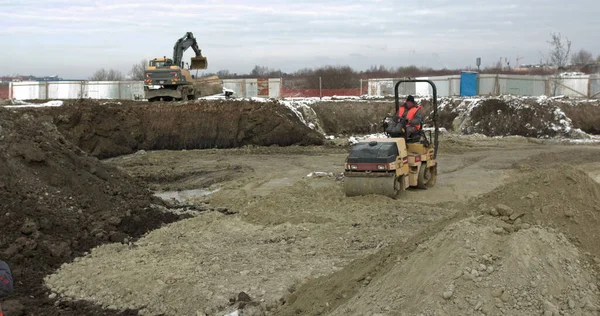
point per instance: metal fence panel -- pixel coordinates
(27, 90)
(132, 90)
(251, 88)
(539, 85)
(519, 86)
(574, 86)
(594, 86)
(63, 89)
(487, 84)
(275, 88)
(236, 85)
(422, 88)
(102, 90)
(385, 87)
(442, 83)
(454, 82)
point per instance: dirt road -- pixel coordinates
(271, 231)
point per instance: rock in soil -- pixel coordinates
(504, 210)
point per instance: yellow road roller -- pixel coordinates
(390, 165)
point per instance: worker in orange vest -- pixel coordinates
(6, 281)
(413, 116)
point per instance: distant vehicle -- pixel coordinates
(167, 79)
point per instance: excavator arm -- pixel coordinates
(187, 41)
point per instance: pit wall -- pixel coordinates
(540, 117)
(108, 130)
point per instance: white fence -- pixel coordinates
(32, 90)
(580, 86)
(261, 88)
(131, 90)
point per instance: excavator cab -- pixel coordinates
(161, 62)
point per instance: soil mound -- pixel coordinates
(563, 197)
(510, 115)
(532, 252)
(57, 203)
(112, 129)
(470, 269)
(585, 115)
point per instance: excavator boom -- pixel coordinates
(187, 41)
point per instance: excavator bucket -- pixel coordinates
(199, 63)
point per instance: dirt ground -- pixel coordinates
(504, 232)
(56, 203)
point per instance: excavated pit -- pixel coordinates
(108, 129)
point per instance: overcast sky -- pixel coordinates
(73, 38)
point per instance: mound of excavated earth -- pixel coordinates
(107, 129)
(491, 116)
(56, 203)
(562, 197)
(532, 250)
(470, 268)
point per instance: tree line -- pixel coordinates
(344, 76)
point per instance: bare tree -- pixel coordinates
(223, 73)
(107, 75)
(260, 71)
(99, 75)
(265, 72)
(137, 70)
(582, 57)
(559, 50)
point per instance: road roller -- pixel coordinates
(390, 165)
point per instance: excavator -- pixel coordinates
(168, 79)
(390, 165)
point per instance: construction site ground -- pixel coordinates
(509, 229)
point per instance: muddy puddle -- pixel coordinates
(182, 196)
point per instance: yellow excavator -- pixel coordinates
(389, 166)
(168, 79)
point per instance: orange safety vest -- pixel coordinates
(410, 115)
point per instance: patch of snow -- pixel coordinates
(22, 104)
(298, 104)
(182, 196)
(261, 100)
(216, 97)
(572, 74)
(347, 97)
(442, 130)
(329, 137)
(319, 174)
(583, 141)
(356, 139)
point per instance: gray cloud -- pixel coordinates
(73, 38)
